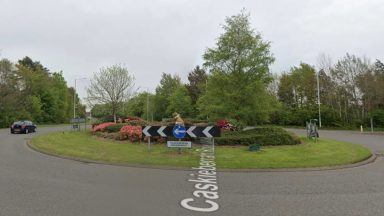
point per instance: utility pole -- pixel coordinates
(74, 97)
(74, 101)
(318, 96)
(147, 105)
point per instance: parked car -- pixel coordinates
(23, 127)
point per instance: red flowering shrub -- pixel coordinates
(132, 132)
(225, 125)
(132, 118)
(101, 127)
(135, 121)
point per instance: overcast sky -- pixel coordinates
(150, 37)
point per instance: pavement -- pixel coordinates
(35, 184)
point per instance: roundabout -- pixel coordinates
(82, 146)
(39, 184)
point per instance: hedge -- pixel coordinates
(264, 136)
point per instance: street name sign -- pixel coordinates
(179, 144)
(77, 120)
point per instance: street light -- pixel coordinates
(74, 97)
(318, 96)
(147, 102)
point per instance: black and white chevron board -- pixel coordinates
(192, 131)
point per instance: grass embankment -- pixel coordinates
(82, 145)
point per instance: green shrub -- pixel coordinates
(262, 135)
(114, 128)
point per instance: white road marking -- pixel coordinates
(206, 186)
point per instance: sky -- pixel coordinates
(150, 37)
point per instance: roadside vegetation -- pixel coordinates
(30, 91)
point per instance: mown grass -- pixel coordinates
(310, 154)
(325, 152)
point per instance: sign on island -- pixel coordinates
(179, 144)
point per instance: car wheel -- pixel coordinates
(12, 132)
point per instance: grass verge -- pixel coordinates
(81, 145)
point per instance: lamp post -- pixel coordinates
(74, 97)
(147, 103)
(318, 96)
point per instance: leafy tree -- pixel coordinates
(137, 105)
(9, 93)
(180, 102)
(100, 110)
(197, 81)
(240, 50)
(168, 84)
(28, 90)
(112, 85)
(34, 104)
(298, 88)
(239, 74)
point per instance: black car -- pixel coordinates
(23, 127)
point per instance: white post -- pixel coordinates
(74, 101)
(318, 97)
(371, 125)
(74, 97)
(147, 106)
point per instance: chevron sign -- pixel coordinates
(192, 131)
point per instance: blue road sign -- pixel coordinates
(179, 131)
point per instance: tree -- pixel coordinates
(240, 50)
(197, 81)
(30, 91)
(297, 92)
(168, 84)
(112, 85)
(346, 75)
(180, 102)
(9, 93)
(239, 74)
(137, 105)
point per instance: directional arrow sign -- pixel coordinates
(179, 131)
(145, 131)
(161, 131)
(190, 131)
(206, 131)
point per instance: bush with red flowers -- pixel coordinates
(101, 127)
(133, 133)
(225, 125)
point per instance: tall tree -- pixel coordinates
(112, 85)
(168, 84)
(180, 102)
(197, 81)
(30, 91)
(239, 73)
(346, 74)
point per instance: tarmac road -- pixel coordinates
(34, 184)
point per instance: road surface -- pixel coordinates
(34, 184)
